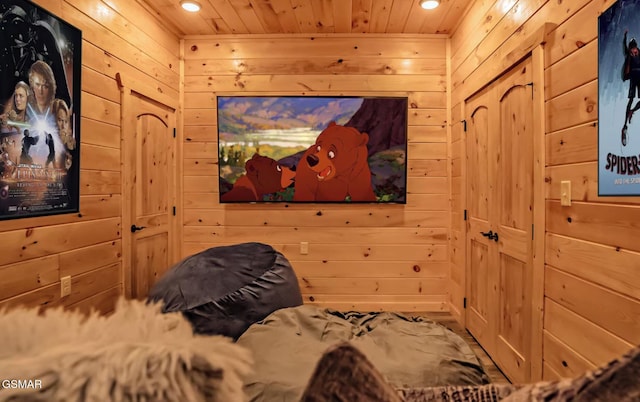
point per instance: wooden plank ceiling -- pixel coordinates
(308, 16)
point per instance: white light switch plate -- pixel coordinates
(565, 193)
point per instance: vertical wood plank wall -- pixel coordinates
(118, 37)
(592, 261)
(360, 256)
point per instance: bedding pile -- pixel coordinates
(225, 289)
(409, 351)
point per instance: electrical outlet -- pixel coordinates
(304, 247)
(565, 193)
(65, 286)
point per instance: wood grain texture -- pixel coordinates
(579, 29)
(83, 287)
(140, 41)
(335, 46)
(581, 334)
(563, 360)
(373, 216)
(607, 266)
(309, 16)
(584, 183)
(563, 76)
(574, 107)
(573, 145)
(367, 302)
(329, 235)
(25, 276)
(103, 302)
(396, 242)
(609, 309)
(119, 37)
(593, 238)
(609, 224)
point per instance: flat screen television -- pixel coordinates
(339, 149)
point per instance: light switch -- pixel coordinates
(565, 193)
(304, 247)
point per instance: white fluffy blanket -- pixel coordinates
(135, 354)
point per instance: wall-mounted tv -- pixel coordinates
(340, 149)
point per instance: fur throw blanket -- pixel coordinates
(135, 354)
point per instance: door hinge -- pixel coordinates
(465, 214)
(174, 132)
(530, 84)
(174, 210)
(464, 303)
(464, 125)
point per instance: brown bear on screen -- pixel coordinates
(335, 167)
(264, 176)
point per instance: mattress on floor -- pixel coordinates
(408, 351)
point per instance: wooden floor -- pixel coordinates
(448, 321)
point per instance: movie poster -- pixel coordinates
(619, 100)
(39, 112)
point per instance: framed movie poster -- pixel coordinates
(619, 100)
(40, 60)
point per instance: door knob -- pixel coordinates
(135, 228)
(488, 234)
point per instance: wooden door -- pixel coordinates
(152, 192)
(500, 216)
(480, 181)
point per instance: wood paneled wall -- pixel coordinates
(592, 261)
(360, 256)
(118, 37)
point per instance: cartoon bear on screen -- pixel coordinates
(263, 176)
(335, 167)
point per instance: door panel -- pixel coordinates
(480, 183)
(153, 165)
(513, 243)
(478, 299)
(152, 261)
(153, 193)
(515, 218)
(511, 362)
(516, 126)
(510, 326)
(500, 172)
(477, 161)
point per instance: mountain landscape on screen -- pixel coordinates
(312, 149)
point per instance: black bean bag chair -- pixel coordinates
(223, 290)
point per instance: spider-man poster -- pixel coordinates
(40, 60)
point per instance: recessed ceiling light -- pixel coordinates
(190, 5)
(429, 4)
